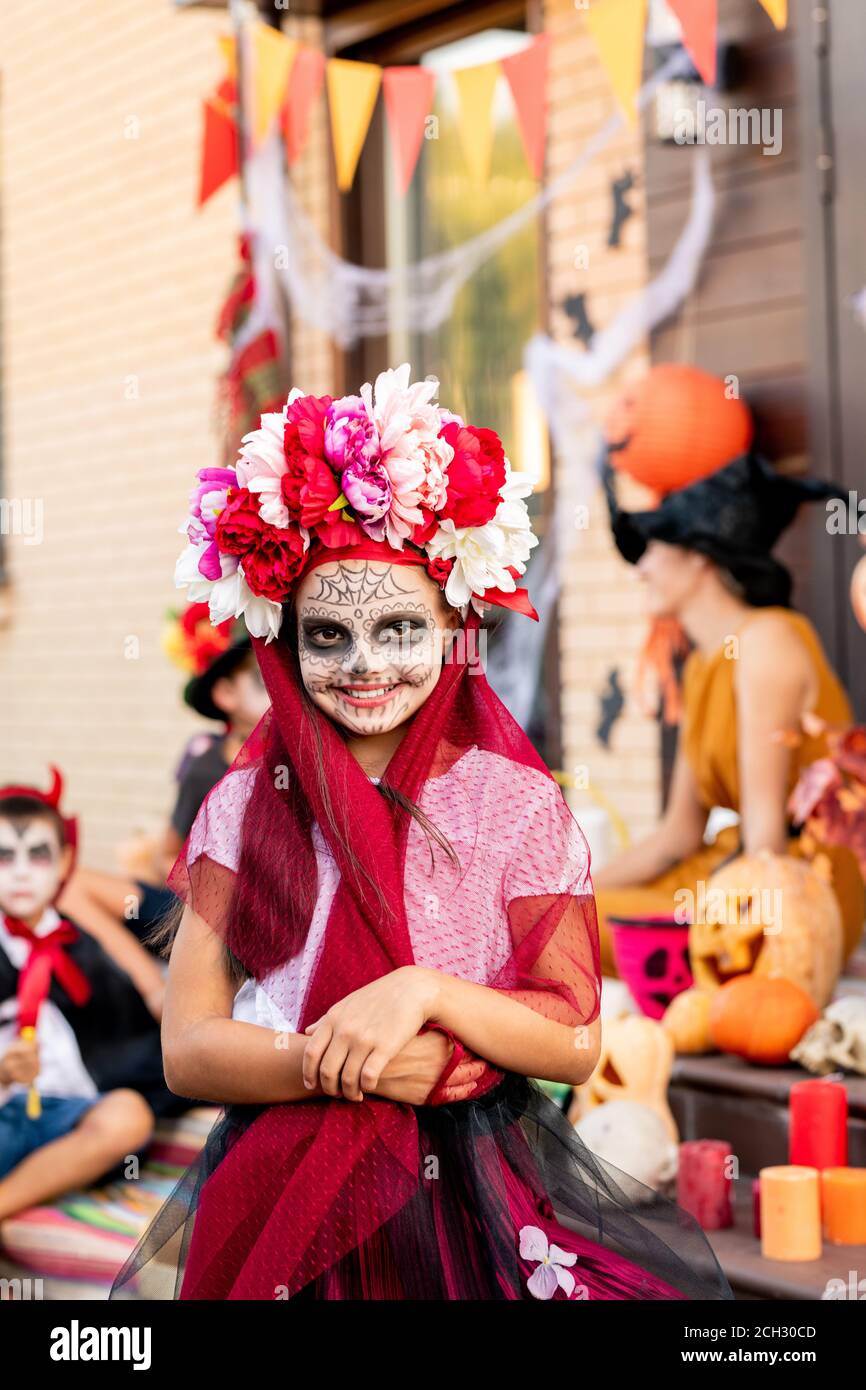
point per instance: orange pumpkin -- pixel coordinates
(687, 1022)
(676, 425)
(760, 1019)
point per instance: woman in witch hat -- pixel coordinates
(704, 554)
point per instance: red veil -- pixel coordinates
(329, 1198)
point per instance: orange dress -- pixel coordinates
(709, 740)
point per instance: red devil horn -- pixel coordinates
(55, 791)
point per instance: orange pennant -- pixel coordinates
(778, 11)
(475, 91)
(408, 100)
(527, 73)
(352, 92)
(699, 23)
(219, 155)
(618, 29)
(305, 84)
(273, 58)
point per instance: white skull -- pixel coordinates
(634, 1138)
(838, 1039)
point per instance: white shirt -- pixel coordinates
(61, 1069)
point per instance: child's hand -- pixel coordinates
(412, 1074)
(355, 1040)
(20, 1063)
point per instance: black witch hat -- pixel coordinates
(734, 517)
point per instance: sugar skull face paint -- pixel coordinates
(32, 864)
(371, 638)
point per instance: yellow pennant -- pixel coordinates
(617, 27)
(273, 57)
(778, 11)
(352, 92)
(475, 91)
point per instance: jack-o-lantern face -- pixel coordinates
(676, 425)
(634, 1064)
(768, 914)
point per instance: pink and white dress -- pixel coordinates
(457, 916)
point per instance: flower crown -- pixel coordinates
(387, 466)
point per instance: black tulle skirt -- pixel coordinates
(510, 1204)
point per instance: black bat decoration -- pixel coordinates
(612, 702)
(575, 307)
(621, 210)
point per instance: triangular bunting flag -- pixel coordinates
(305, 83)
(273, 57)
(778, 11)
(475, 91)
(527, 76)
(618, 29)
(352, 92)
(409, 101)
(699, 22)
(219, 152)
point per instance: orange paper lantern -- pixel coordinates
(676, 425)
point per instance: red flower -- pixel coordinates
(476, 475)
(304, 433)
(426, 529)
(319, 490)
(239, 525)
(439, 570)
(271, 569)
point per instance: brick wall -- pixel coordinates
(110, 284)
(603, 621)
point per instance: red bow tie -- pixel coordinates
(47, 959)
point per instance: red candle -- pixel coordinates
(819, 1124)
(756, 1207)
(704, 1182)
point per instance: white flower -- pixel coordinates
(228, 597)
(484, 555)
(188, 575)
(553, 1263)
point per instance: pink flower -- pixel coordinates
(436, 455)
(367, 488)
(351, 437)
(553, 1263)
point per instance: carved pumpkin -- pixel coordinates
(769, 915)
(634, 1064)
(675, 425)
(760, 1019)
(687, 1022)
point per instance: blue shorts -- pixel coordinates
(20, 1136)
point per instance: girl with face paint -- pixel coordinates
(389, 924)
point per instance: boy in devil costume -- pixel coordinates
(80, 1062)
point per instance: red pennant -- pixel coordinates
(219, 153)
(305, 84)
(527, 73)
(408, 101)
(699, 21)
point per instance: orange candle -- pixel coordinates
(790, 1213)
(843, 1199)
